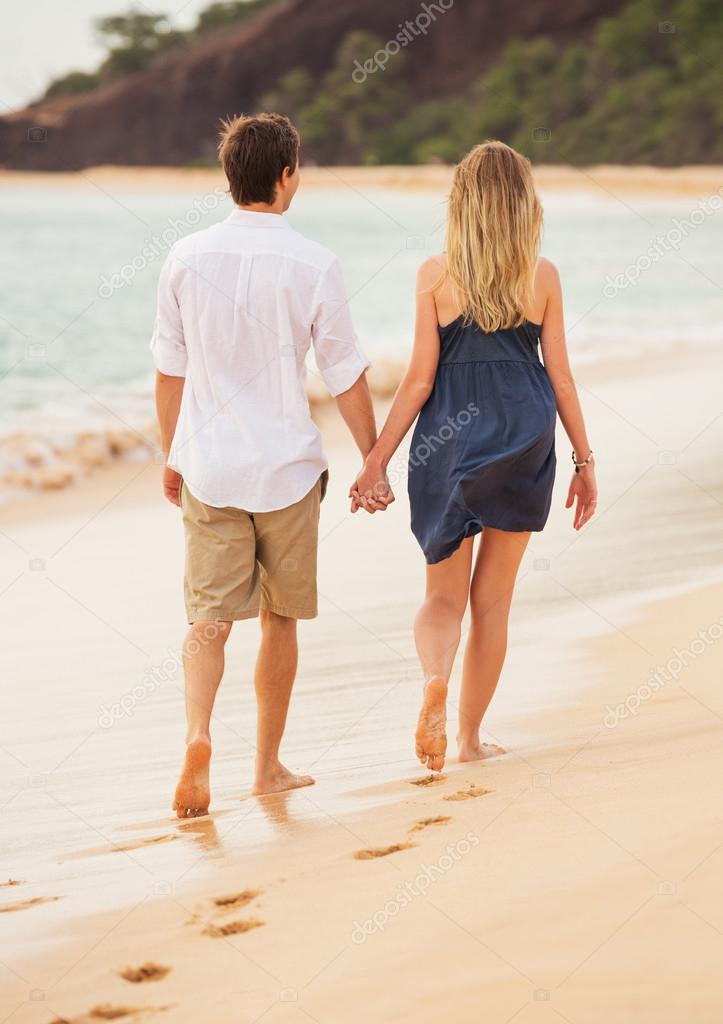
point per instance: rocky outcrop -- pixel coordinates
(168, 114)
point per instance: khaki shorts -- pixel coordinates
(238, 562)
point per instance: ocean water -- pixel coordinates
(74, 338)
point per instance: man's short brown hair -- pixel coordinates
(254, 152)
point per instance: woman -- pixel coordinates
(482, 458)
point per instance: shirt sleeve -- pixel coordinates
(168, 344)
(338, 355)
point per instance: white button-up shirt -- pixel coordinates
(238, 306)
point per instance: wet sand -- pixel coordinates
(575, 878)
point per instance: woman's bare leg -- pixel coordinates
(493, 583)
(437, 630)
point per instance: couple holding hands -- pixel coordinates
(239, 305)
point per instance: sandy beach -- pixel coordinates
(640, 181)
(577, 878)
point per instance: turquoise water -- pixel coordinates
(73, 350)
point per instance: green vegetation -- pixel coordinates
(227, 12)
(73, 83)
(135, 40)
(645, 88)
(341, 122)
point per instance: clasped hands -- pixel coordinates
(371, 489)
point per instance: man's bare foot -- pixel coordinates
(278, 779)
(193, 793)
(431, 738)
(471, 750)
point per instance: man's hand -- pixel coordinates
(371, 489)
(172, 485)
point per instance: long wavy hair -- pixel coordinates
(493, 236)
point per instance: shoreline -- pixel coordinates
(37, 467)
(695, 180)
(596, 820)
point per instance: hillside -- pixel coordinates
(168, 114)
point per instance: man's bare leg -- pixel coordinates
(274, 679)
(203, 662)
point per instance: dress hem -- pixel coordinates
(476, 527)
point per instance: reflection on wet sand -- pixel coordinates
(275, 807)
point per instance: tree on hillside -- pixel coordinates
(73, 83)
(135, 40)
(227, 12)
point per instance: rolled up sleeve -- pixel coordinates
(168, 344)
(338, 354)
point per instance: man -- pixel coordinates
(238, 306)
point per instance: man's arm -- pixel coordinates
(169, 391)
(169, 354)
(357, 410)
(355, 406)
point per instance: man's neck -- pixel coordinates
(277, 207)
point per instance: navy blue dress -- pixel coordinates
(483, 449)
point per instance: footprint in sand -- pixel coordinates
(441, 819)
(428, 780)
(467, 794)
(9, 908)
(146, 972)
(220, 931)
(237, 900)
(225, 904)
(383, 851)
(107, 1012)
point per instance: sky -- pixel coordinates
(41, 39)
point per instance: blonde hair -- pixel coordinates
(493, 236)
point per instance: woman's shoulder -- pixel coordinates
(432, 267)
(432, 272)
(546, 273)
(547, 284)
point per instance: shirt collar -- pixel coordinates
(254, 219)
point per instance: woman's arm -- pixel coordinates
(371, 488)
(554, 352)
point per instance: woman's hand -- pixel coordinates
(583, 490)
(371, 489)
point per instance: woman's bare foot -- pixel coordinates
(431, 738)
(473, 750)
(278, 779)
(193, 793)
